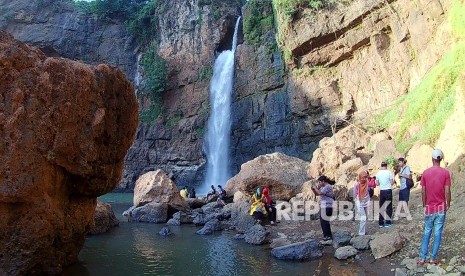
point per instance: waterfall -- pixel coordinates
(217, 138)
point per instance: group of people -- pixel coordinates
(186, 193)
(262, 206)
(220, 193)
(436, 197)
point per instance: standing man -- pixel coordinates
(385, 179)
(435, 191)
(404, 174)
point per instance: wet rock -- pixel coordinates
(194, 203)
(104, 218)
(152, 212)
(385, 244)
(173, 222)
(309, 249)
(210, 227)
(345, 252)
(183, 217)
(361, 242)
(341, 238)
(257, 235)
(165, 231)
(239, 236)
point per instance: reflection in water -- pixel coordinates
(137, 249)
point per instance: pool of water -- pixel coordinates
(137, 249)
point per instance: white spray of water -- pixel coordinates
(217, 138)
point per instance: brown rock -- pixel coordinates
(65, 130)
(419, 158)
(285, 174)
(385, 244)
(336, 150)
(157, 187)
(383, 150)
(104, 218)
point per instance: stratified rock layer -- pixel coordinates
(65, 130)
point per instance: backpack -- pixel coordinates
(408, 181)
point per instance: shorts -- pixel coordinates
(404, 195)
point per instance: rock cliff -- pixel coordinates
(65, 130)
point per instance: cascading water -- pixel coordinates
(217, 138)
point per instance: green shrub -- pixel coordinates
(258, 22)
(143, 23)
(156, 73)
(430, 104)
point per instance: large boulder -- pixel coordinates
(156, 186)
(345, 252)
(257, 235)
(240, 217)
(65, 129)
(336, 150)
(285, 174)
(385, 244)
(341, 238)
(104, 218)
(419, 158)
(383, 150)
(153, 212)
(361, 242)
(300, 251)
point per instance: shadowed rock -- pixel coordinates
(104, 218)
(65, 130)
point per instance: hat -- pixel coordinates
(383, 164)
(437, 154)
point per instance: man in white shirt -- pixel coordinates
(385, 179)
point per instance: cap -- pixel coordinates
(437, 154)
(384, 164)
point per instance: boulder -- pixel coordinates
(345, 252)
(349, 168)
(240, 217)
(240, 196)
(361, 242)
(385, 244)
(257, 235)
(156, 186)
(104, 218)
(419, 158)
(341, 238)
(210, 227)
(300, 251)
(173, 222)
(285, 174)
(278, 242)
(336, 150)
(383, 150)
(152, 212)
(194, 203)
(65, 129)
(165, 231)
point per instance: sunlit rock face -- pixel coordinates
(65, 130)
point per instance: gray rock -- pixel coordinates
(309, 249)
(257, 235)
(400, 272)
(165, 231)
(240, 217)
(385, 244)
(210, 227)
(410, 264)
(361, 242)
(462, 269)
(341, 238)
(345, 252)
(436, 270)
(183, 217)
(239, 236)
(152, 212)
(173, 222)
(278, 242)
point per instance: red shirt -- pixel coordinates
(435, 180)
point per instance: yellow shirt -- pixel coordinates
(183, 193)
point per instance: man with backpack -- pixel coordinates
(405, 176)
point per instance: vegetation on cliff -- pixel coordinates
(258, 22)
(428, 106)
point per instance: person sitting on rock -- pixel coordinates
(270, 209)
(212, 192)
(192, 193)
(362, 200)
(325, 191)
(183, 192)
(257, 209)
(221, 195)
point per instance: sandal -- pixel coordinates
(420, 262)
(434, 262)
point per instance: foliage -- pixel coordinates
(429, 105)
(391, 162)
(173, 121)
(106, 9)
(143, 23)
(258, 22)
(156, 74)
(206, 72)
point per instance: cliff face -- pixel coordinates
(65, 130)
(342, 64)
(59, 29)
